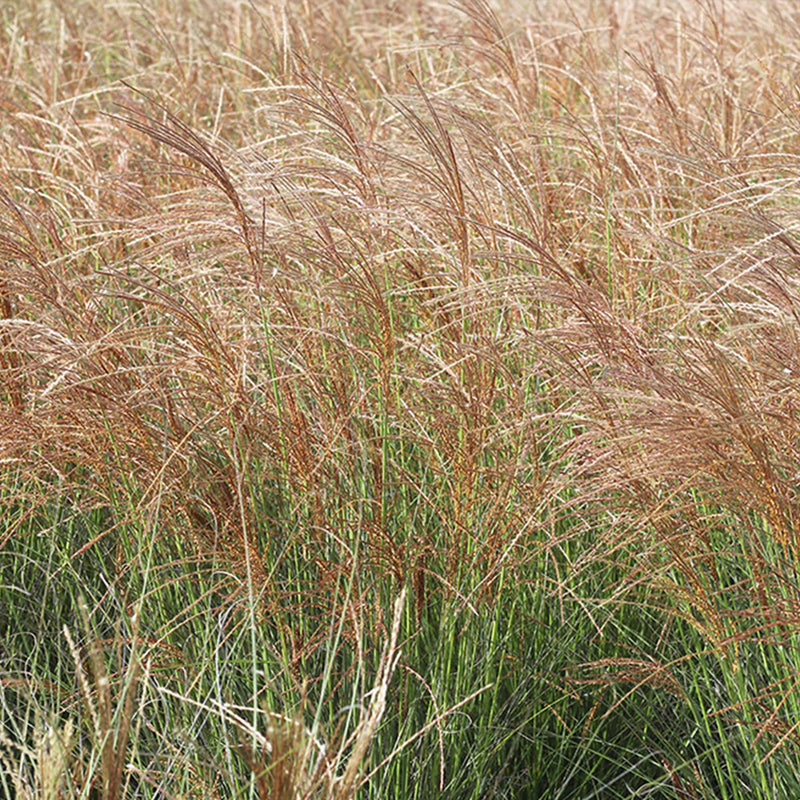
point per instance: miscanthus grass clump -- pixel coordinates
(399, 400)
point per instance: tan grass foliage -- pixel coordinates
(393, 288)
(40, 773)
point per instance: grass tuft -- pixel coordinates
(399, 400)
